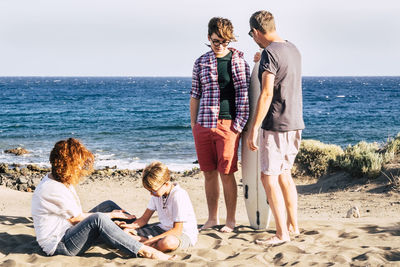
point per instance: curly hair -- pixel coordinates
(155, 175)
(70, 161)
(222, 27)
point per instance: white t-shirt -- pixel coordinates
(53, 204)
(178, 208)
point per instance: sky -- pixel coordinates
(165, 37)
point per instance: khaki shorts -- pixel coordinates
(151, 230)
(278, 150)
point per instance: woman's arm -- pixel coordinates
(115, 214)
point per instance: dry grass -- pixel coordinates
(394, 181)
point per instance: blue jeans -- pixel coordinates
(97, 227)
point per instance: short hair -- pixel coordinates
(222, 27)
(70, 161)
(155, 175)
(262, 21)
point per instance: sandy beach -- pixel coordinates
(327, 237)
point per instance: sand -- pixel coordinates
(327, 237)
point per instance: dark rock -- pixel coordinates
(4, 168)
(22, 180)
(22, 187)
(33, 168)
(17, 151)
(25, 172)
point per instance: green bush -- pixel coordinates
(362, 159)
(391, 148)
(317, 158)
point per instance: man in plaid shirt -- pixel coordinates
(219, 109)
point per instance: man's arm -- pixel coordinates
(263, 104)
(194, 110)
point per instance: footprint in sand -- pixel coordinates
(313, 232)
(362, 257)
(348, 235)
(393, 256)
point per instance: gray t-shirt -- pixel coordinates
(283, 59)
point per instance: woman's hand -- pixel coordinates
(120, 214)
(125, 225)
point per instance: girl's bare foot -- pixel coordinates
(152, 253)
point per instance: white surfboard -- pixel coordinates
(257, 207)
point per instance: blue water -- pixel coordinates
(130, 121)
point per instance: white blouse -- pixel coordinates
(53, 204)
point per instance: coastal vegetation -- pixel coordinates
(360, 160)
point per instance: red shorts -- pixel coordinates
(217, 148)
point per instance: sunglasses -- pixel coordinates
(251, 33)
(218, 42)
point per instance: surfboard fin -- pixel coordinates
(258, 217)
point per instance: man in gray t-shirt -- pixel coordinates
(279, 112)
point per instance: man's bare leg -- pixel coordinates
(230, 195)
(289, 192)
(277, 205)
(211, 185)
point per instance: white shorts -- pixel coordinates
(278, 150)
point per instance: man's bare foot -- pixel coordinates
(209, 224)
(228, 227)
(152, 253)
(274, 240)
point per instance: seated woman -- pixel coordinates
(60, 225)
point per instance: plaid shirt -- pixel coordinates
(206, 88)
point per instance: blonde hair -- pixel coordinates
(262, 21)
(70, 161)
(155, 175)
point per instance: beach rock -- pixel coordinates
(22, 187)
(22, 180)
(4, 168)
(10, 184)
(17, 151)
(25, 172)
(354, 212)
(33, 168)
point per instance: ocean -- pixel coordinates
(130, 121)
